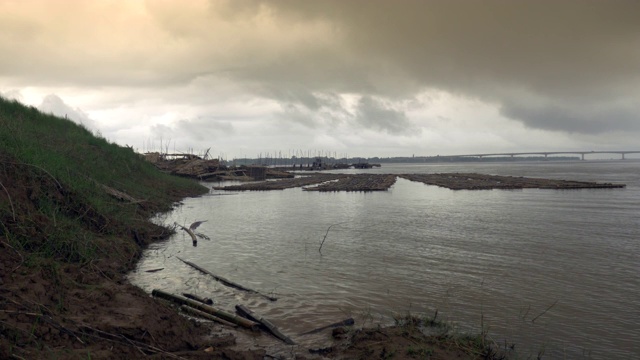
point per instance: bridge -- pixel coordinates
(622, 153)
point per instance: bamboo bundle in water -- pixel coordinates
(205, 308)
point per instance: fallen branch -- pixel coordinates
(122, 196)
(226, 281)
(205, 308)
(121, 339)
(544, 312)
(347, 322)
(242, 310)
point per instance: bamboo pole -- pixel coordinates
(205, 308)
(195, 312)
(226, 281)
(242, 310)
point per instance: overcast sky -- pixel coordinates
(362, 78)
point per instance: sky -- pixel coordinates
(356, 78)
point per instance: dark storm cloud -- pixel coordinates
(592, 120)
(576, 52)
(556, 65)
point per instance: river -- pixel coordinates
(555, 272)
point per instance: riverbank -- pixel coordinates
(74, 213)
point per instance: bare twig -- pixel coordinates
(13, 210)
(17, 252)
(544, 312)
(89, 331)
(325, 237)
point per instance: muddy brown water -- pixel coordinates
(554, 272)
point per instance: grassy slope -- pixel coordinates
(56, 170)
(65, 242)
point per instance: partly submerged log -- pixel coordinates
(195, 312)
(198, 298)
(181, 300)
(242, 310)
(347, 322)
(191, 233)
(226, 281)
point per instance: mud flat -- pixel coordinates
(472, 181)
(359, 182)
(283, 184)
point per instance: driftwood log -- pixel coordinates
(181, 300)
(347, 322)
(226, 281)
(198, 298)
(242, 310)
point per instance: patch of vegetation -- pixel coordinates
(66, 194)
(433, 338)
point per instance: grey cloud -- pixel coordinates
(573, 51)
(373, 114)
(570, 52)
(202, 130)
(592, 119)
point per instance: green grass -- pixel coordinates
(443, 334)
(53, 175)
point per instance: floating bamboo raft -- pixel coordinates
(382, 182)
(284, 184)
(472, 181)
(357, 182)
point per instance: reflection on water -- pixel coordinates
(551, 271)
